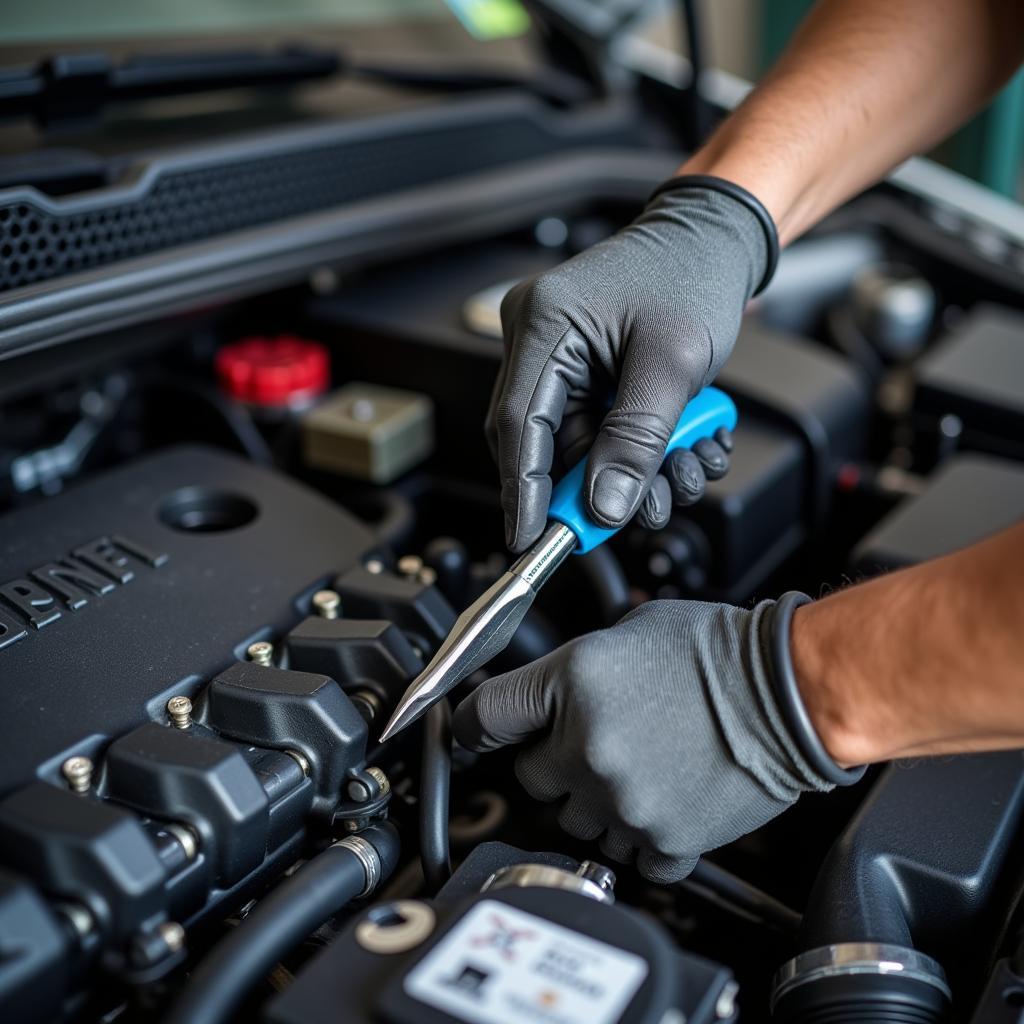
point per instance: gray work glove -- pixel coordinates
(662, 735)
(647, 316)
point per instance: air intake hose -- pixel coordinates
(924, 862)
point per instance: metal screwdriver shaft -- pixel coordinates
(485, 628)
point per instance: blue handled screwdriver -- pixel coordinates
(485, 628)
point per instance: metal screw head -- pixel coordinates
(78, 772)
(410, 565)
(327, 604)
(260, 652)
(80, 919)
(383, 782)
(179, 709)
(374, 566)
(427, 576)
(363, 410)
(173, 935)
(367, 703)
(300, 759)
(324, 280)
(725, 1005)
(186, 839)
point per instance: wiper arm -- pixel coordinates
(77, 86)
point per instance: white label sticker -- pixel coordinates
(500, 965)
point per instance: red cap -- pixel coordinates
(274, 371)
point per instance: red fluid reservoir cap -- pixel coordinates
(274, 371)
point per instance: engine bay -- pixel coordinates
(245, 492)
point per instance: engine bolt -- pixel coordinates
(173, 935)
(186, 839)
(383, 782)
(427, 576)
(180, 711)
(327, 604)
(725, 1006)
(410, 565)
(261, 652)
(78, 772)
(80, 919)
(374, 566)
(300, 760)
(367, 704)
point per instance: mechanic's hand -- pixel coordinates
(661, 735)
(647, 316)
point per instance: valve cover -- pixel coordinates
(144, 583)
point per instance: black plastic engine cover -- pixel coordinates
(144, 583)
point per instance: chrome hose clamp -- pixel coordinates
(366, 854)
(852, 958)
(590, 880)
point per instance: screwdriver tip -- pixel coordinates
(389, 730)
(409, 709)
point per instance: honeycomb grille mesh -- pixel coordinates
(187, 205)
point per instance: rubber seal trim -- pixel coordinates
(741, 195)
(787, 693)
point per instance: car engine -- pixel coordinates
(245, 492)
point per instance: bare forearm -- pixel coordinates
(928, 660)
(864, 84)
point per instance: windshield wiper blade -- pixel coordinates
(78, 86)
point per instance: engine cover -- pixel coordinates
(144, 583)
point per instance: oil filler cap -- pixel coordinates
(281, 371)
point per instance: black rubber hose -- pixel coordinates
(233, 415)
(435, 781)
(391, 513)
(726, 888)
(608, 582)
(279, 922)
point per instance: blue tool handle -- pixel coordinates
(703, 415)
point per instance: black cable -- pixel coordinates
(435, 781)
(699, 114)
(397, 520)
(709, 881)
(608, 582)
(235, 416)
(240, 422)
(279, 922)
(391, 514)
